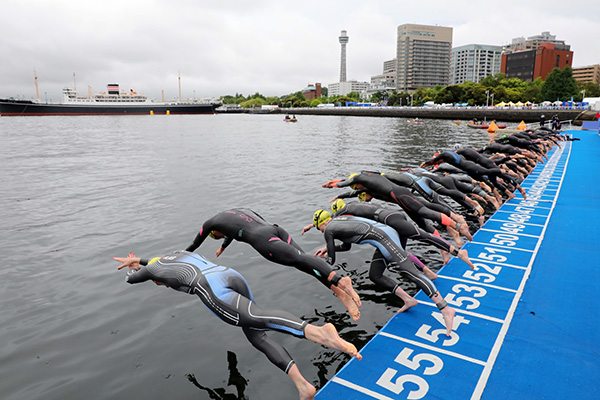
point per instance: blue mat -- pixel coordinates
(524, 326)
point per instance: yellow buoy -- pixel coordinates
(151, 112)
(168, 112)
(492, 128)
(522, 126)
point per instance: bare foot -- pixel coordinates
(448, 314)
(481, 220)
(348, 302)
(464, 229)
(494, 202)
(464, 255)
(306, 391)
(408, 304)
(430, 274)
(445, 256)
(511, 195)
(346, 285)
(328, 336)
(455, 235)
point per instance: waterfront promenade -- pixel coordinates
(527, 322)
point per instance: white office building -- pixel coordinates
(473, 62)
(343, 88)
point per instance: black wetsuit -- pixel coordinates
(417, 209)
(424, 186)
(270, 240)
(447, 185)
(225, 292)
(395, 219)
(493, 170)
(349, 229)
(473, 169)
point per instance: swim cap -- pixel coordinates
(212, 235)
(337, 205)
(350, 177)
(457, 146)
(320, 216)
(362, 196)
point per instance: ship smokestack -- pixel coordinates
(113, 88)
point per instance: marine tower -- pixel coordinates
(343, 41)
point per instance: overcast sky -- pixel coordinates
(232, 46)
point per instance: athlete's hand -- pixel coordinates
(334, 199)
(129, 261)
(330, 184)
(322, 252)
(306, 229)
(220, 251)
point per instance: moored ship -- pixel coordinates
(112, 102)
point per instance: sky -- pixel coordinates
(231, 46)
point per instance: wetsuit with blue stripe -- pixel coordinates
(270, 240)
(355, 230)
(225, 292)
(419, 184)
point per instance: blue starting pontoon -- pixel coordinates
(527, 324)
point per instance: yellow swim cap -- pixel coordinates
(362, 196)
(212, 235)
(337, 205)
(320, 216)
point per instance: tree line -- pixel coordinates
(559, 85)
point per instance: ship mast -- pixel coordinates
(180, 86)
(37, 91)
(74, 83)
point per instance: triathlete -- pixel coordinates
(493, 170)
(276, 245)
(462, 184)
(406, 229)
(431, 190)
(226, 293)
(389, 253)
(417, 209)
(474, 170)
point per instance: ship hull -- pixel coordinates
(30, 108)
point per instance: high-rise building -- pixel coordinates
(528, 65)
(473, 62)
(590, 74)
(343, 41)
(423, 53)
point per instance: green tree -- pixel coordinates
(560, 85)
(591, 89)
(253, 103)
(315, 102)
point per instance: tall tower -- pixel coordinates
(343, 41)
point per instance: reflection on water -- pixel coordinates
(235, 379)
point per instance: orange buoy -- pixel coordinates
(492, 128)
(522, 126)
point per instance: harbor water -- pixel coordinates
(77, 191)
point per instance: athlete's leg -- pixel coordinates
(378, 265)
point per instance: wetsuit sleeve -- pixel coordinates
(226, 242)
(435, 160)
(200, 237)
(331, 246)
(345, 183)
(141, 275)
(347, 195)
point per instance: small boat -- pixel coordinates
(414, 121)
(455, 123)
(484, 126)
(288, 119)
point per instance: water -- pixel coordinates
(77, 191)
